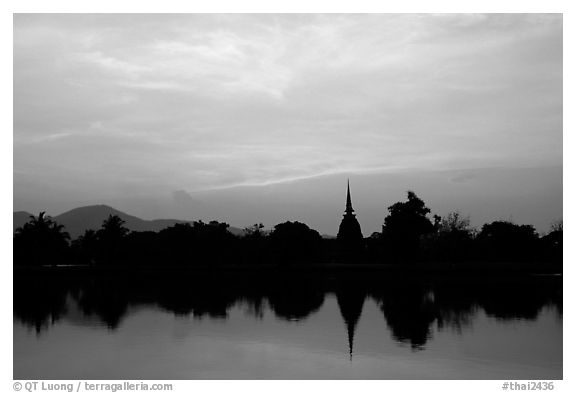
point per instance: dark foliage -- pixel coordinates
(551, 245)
(41, 241)
(408, 236)
(404, 227)
(451, 240)
(294, 241)
(502, 240)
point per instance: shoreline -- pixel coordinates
(413, 269)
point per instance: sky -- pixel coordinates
(263, 117)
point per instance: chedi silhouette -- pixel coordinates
(350, 236)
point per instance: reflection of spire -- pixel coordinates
(351, 327)
(350, 303)
(349, 209)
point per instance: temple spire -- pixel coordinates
(349, 209)
(350, 236)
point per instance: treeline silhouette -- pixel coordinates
(411, 306)
(408, 235)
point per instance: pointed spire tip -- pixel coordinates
(349, 208)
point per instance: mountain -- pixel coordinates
(20, 218)
(77, 221)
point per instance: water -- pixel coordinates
(286, 327)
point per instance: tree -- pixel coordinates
(141, 249)
(253, 244)
(86, 246)
(557, 226)
(295, 240)
(452, 239)
(455, 223)
(177, 244)
(405, 224)
(113, 228)
(506, 241)
(110, 238)
(254, 231)
(552, 244)
(215, 242)
(41, 241)
(198, 243)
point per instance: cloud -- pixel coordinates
(464, 177)
(149, 103)
(127, 69)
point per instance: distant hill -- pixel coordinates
(20, 218)
(78, 220)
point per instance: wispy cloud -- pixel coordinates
(192, 101)
(112, 64)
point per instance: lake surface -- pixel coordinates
(286, 326)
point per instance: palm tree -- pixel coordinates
(40, 241)
(86, 246)
(113, 229)
(110, 237)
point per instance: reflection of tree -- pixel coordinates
(455, 305)
(196, 298)
(409, 311)
(106, 299)
(516, 299)
(39, 303)
(410, 307)
(295, 300)
(254, 306)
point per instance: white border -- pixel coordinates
(308, 6)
